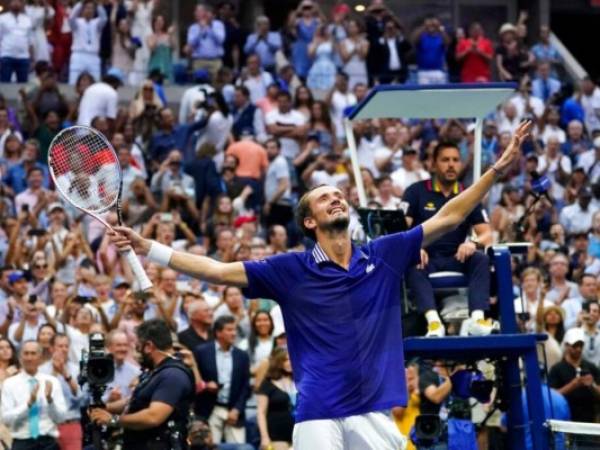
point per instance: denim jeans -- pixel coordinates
(18, 65)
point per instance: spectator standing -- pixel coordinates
(557, 166)
(253, 164)
(303, 25)
(255, 79)
(232, 45)
(340, 98)
(33, 423)
(513, 60)
(321, 75)
(61, 38)
(430, 44)
(218, 126)
(573, 305)
(205, 40)
(353, 51)
(141, 27)
(287, 124)
(16, 43)
(410, 172)
(172, 136)
(206, 178)
(546, 52)
(101, 99)
(226, 371)
(590, 101)
(277, 189)
(576, 378)
(264, 43)
(577, 217)
(475, 54)
(70, 433)
(590, 318)
(544, 85)
(560, 287)
(160, 44)
(276, 400)
(124, 44)
(246, 116)
(87, 30)
(377, 14)
(394, 50)
(200, 330)
(41, 13)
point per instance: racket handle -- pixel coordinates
(138, 270)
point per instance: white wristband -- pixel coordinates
(160, 254)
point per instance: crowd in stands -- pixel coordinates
(261, 123)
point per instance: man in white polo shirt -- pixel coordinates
(16, 43)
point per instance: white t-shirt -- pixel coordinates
(289, 147)
(402, 178)
(100, 99)
(278, 169)
(258, 85)
(537, 105)
(552, 131)
(338, 180)
(366, 153)
(339, 102)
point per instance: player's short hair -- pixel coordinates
(303, 211)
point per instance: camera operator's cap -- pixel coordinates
(247, 132)
(117, 73)
(573, 336)
(54, 206)
(597, 142)
(120, 282)
(471, 127)
(409, 151)
(17, 275)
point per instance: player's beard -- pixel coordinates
(337, 225)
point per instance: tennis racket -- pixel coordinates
(87, 173)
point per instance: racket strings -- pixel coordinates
(85, 169)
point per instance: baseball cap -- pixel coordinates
(507, 27)
(117, 73)
(16, 276)
(573, 336)
(55, 205)
(597, 142)
(120, 282)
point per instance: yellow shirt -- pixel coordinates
(409, 416)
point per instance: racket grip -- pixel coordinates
(138, 270)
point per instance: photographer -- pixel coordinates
(156, 416)
(435, 387)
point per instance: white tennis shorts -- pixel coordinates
(371, 431)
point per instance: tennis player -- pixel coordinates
(341, 309)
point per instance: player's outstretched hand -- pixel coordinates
(125, 238)
(513, 150)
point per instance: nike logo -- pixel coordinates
(370, 267)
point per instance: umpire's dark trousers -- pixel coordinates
(476, 268)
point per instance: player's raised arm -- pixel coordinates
(455, 211)
(200, 267)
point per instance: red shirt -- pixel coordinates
(475, 68)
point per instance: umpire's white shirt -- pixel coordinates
(14, 410)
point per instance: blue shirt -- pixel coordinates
(343, 327)
(265, 48)
(16, 177)
(431, 52)
(207, 41)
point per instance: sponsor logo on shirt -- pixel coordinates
(370, 267)
(429, 206)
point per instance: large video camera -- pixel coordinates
(96, 368)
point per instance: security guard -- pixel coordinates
(156, 416)
(422, 200)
